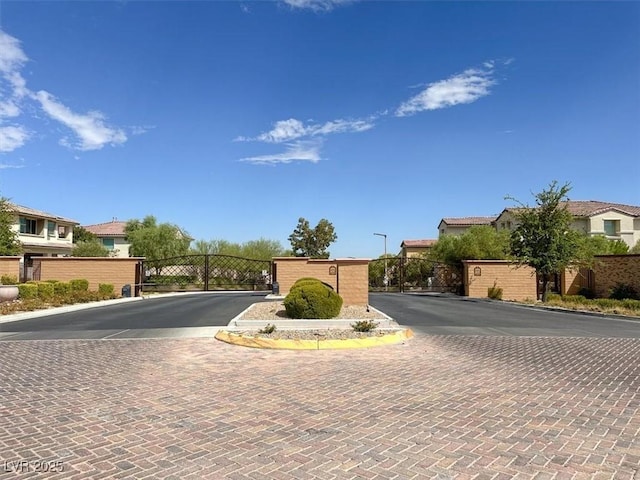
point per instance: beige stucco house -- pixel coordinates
(414, 248)
(41, 234)
(613, 220)
(112, 236)
(459, 225)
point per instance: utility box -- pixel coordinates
(126, 290)
(275, 288)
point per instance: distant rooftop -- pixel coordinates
(114, 228)
(425, 243)
(468, 221)
(588, 208)
(22, 210)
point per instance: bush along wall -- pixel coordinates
(310, 298)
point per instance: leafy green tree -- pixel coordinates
(312, 242)
(480, 242)
(156, 241)
(590, 246)
(261, 249)
(9, 243)
(543, 238)
(636, 248)
(81, 234)
(89, 248)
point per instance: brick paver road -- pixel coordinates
(446, 407)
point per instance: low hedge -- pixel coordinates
(312, 299)
(79, 285)
(27, 290)
(46, 290)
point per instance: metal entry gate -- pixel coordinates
(414, 274)
(205, 272)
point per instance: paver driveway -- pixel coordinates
(447, 407)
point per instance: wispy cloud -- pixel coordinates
(317, 5)
(301, 150)
(90, 129)
(465, 87)
(287, 130)
(4, 166)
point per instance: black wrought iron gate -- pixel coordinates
(205, 272)
(400, 274)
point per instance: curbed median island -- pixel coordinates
(252, 329)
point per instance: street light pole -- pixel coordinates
(386, 277)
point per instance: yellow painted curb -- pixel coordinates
(320, 344)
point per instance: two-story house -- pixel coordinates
(41, 234)
(112, 236)
(612, 220)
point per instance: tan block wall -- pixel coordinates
(516, 283)
(573, 280)
(10, 266)
(612, 269)
(117, 271)
(351, 280)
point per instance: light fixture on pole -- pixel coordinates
(386, 277)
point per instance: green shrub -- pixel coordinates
(28, 290)
(8, 280)
(313, 300)
(494, 292)
(576, 299)
(79, 285)
(62, 288)
(587, 293)
(623, 291)
(52, 281)
(45, 290)
(554, 297)
(630, 304)
(364, 325)
(269, 328)
(106, 289)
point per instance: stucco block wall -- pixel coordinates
(117, 271)
(351, 278)
(572, 280)
(516, 283)
(10, 266)
(612, 269)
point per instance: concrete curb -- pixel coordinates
(235, 338)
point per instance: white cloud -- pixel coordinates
(291, 129)
(4, 166)
(316, 5)
(466, 87)
(12, 137)
(90, 128)
(304, 151)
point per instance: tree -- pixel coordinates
(81, 234)
(480, 242)
(590, 246)
(636, 248)
(312, 242)
(90, 248)
(543, 238)
(261, 249)
(156, 241)
(9, 243)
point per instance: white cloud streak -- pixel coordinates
(466, 87)
(91, 129)
(302, 150)
(317, 5)
(291, 129)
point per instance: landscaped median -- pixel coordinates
(322, 340)
(265, 325)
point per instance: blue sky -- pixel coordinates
(234, 119)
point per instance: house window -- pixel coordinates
(108, 243)
(28, 226)
(611, 227)
(51, 229)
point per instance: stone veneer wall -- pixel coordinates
(612, 269)
(349, 277)
(516, 283)
(116, 271)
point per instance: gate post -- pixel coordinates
(402, 267)
(206, 273)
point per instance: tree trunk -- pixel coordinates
(545, 287)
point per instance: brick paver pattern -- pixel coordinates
(445, 407)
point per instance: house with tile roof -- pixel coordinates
(613, 220)
(112, 236)
(413, 248)
(42, 234)
(459, 225)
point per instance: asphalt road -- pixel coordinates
(201, 315)
(176, 316)
(451, 315)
